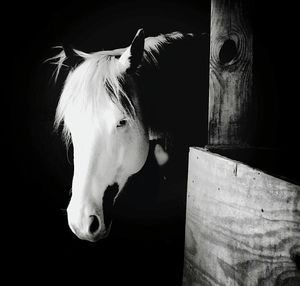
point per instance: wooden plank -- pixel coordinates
(242, 225)
(231, 113)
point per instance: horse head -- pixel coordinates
(103, 118)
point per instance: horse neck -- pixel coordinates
(174, 99)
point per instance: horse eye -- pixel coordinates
(122, 123)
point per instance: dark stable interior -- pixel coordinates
(147, 238)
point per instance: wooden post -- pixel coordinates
(242, 225)
(230, 88)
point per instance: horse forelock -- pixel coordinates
(97, 74)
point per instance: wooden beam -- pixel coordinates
(242, 225)
(230, 84)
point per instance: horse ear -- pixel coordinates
(132, 56)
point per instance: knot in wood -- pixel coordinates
(227, 52)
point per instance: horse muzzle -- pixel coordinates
(87, 226)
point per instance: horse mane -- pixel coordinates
(101, 67)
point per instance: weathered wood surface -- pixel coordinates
(242, 225)
(231, 112)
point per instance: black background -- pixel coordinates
(37, 174)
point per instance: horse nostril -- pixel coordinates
(94, 226)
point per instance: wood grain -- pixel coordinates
(230, 71)
(242, 225)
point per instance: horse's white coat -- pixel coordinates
(109, 144)
(105, 153)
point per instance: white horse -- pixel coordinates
(102, 115)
